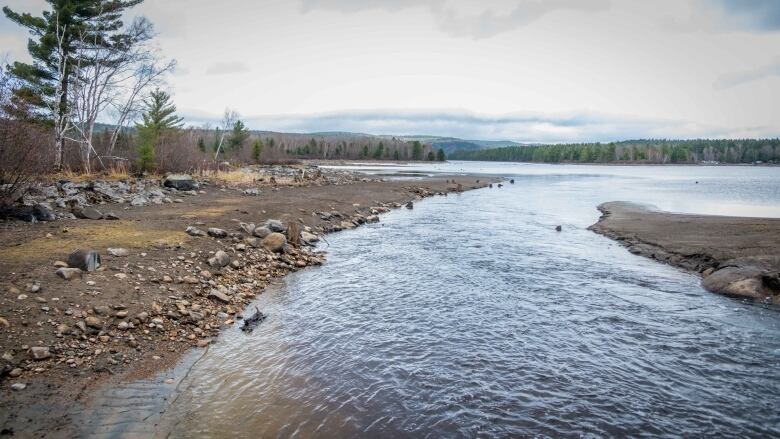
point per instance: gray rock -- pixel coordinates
(275, 226)
(252, 191)
(87, 260)
(110, 216)
(219, 260)
(217, 232)
(275, 242)
(18, 386)
(40, 352)
(410, 205)
(219, 296)
(43, 212)
(261, 232)
(309, 238)
(194, 231)
(68, 273)
(87, 213)
(118, 252)
(139, 200)
(181, 182)
(745, 281)
(248, 228)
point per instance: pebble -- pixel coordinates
(18, 386)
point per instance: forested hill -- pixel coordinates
(636, 151)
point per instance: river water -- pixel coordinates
(470, 316)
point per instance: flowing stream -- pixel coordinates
(470, 316)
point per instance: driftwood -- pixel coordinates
(252, 321)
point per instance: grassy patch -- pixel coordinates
(95, 235)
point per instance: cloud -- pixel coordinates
(227, 68)
(745, 76)
(762, 15)
(523, 127)
(451, 20)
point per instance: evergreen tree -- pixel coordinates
(238, 136)
(160, 113)
(417, 150)
(257, 150)
(43, 90)
(440, 155)
(431, 156)
(379, 151)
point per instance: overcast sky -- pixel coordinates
(524, 70)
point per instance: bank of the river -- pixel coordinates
(161, 296)
(735, 256)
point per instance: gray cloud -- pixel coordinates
(519, 127)
(227, 68)
(761, 15)
(746, 76)
(450, 20)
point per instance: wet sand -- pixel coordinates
(736, 256)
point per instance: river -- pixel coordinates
(470, 316)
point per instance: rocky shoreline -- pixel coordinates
(167, 278)
(735, 256)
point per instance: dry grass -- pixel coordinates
(114, 172)
(97, 236)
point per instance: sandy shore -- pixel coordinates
(735, 256)
(145, 303)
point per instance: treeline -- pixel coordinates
(93, 98)
(651, 151)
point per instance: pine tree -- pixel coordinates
(43, 90)
(417, 150)
(440, 155)
(238, 136)
(257, 150)
(160, 113)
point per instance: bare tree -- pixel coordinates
(228, 120)
(111, 72)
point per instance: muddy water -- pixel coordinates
(470, 316)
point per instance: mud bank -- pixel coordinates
(735, 256)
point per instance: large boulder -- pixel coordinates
(43, 212)
(87, 213)
(87, 260)
(744, 281)
(181, 182)
(275, 242)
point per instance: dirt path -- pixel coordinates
(160, 300)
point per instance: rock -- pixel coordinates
(81, 325)
(248, 228)
(219, 296)
(15, 372)
(142, 316)
(87, 213)
(410, 205)
(252, 242)
(60, 264)
(181, 182)
(63, 329)
(252, 191)
(123, 326)
(194, 231)
(275, 226)
(118, 252)
(4, 322)
(18, 386)
(93, 322)
(274, 242)
(261, 232)
(240, 247)
(110, 216)
(217, 233)
(120, 276)
(219, 260)
(309, 237)
(190, 280)
(68, 273)
(558, 228)
(40, 352)
(42, 212)
(372, 219)
(101, 310)
(139, 200)
(744, 281)
(87, 260)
